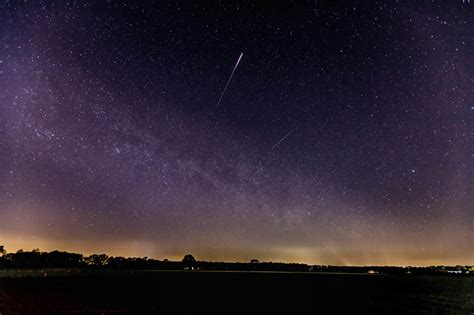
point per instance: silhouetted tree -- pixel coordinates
(3, 259)
(117, 262)
(57, 259)
(189, 261)
(97, 260)
(22, 259)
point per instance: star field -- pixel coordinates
(344, 137)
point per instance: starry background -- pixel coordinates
(111, 140)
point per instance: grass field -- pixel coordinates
(161, 292)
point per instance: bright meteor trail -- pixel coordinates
(228, 81)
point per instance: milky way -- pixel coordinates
(111, 140)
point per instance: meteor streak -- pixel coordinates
(228, 81)
(284, 138)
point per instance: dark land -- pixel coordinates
(67, 283)
(219, 292)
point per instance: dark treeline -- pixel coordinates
(36, 259)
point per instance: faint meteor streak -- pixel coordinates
(228, 81)
(284, 138)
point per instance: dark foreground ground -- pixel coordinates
(236, 293)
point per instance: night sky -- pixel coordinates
(345, 135)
